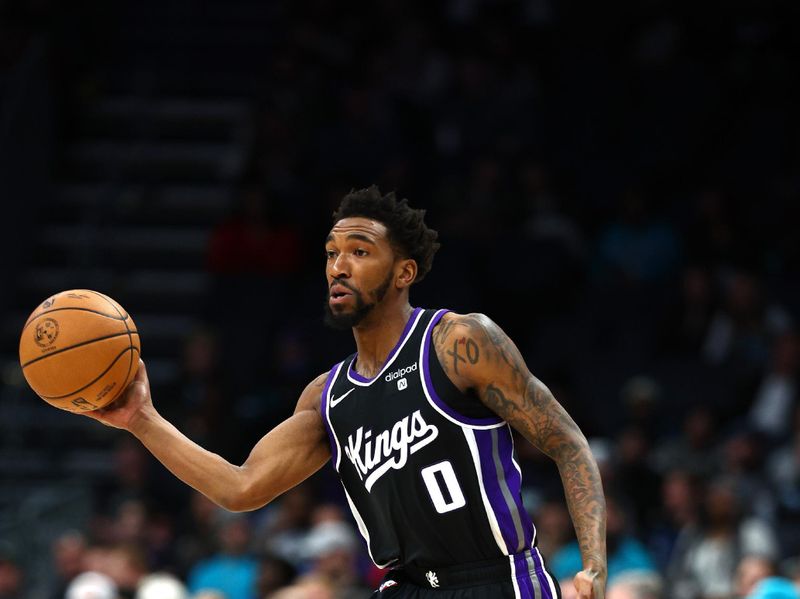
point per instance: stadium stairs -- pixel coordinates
(152, 165)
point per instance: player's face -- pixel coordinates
(359, 269)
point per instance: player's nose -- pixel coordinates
(340, 267)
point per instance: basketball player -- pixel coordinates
(417, 424)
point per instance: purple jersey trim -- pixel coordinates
(524, 582)
(325, 409)
(351, 372)
(542, 574)
(530, 537)
(512, 518)
(533, 581)
(428, 382)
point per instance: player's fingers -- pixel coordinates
(584, 589)
(100, 415)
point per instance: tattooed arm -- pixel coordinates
(476, 354)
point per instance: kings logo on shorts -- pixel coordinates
(375, 456)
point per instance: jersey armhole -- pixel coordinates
(465, 408)
(324, 412)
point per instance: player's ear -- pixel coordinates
(406, 273)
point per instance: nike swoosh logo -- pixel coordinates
(336, 400)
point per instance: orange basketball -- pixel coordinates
(79, 350)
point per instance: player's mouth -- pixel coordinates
(339, 294)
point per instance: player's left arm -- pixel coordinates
(476, 354)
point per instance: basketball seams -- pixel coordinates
(111, 316)
(97, 378)
(116, 307)
(81, 344)
(111, 302)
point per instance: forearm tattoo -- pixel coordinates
(475, 350)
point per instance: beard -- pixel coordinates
(341, 321)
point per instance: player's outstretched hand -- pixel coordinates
(134, 401)
(589, 584)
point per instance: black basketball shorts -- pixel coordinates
(520, 576)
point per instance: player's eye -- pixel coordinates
(330, 254)
(361, 252)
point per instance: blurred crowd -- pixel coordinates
(617, 187)
(673, 346)
(706, 512)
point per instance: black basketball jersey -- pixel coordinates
(428, 484)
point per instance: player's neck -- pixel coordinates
(377, 335)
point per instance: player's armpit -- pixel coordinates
(287, 455)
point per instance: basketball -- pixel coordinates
(79, 349)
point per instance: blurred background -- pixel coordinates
(618, 186)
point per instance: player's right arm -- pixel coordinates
(283, 458)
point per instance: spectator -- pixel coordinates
(196, 533)
(637, 248)
(254, 241)
(11, 576)
(274, 573)
(69, 552)
(783, 469)
(161, 586)
(744, 466)
(641, 396)
(124, 497)
(636, 257)
(695, 450)
(705, 565)
(776, 396)
(677, 519)
(128, 526)
(159, 542)
(625, 553)
(553, 527)
(231, 571)
(793, 571)
(126, 565)
(286, 524)
(199, 392)
(751, 570)
(306, 589)
(742, 329)
(636, 585)
(774, 588)
(332, 548)
(91, 585)
(95, 558)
